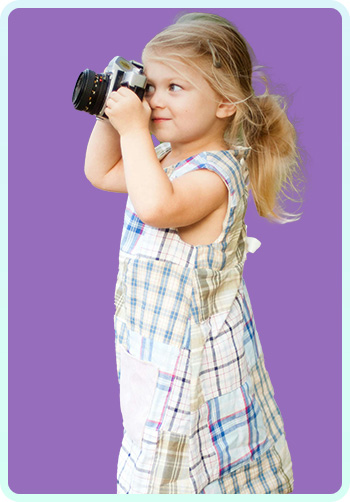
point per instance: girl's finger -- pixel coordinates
(112, 100)
(113, 96)
(124, 91)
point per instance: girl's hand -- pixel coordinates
(126, 112)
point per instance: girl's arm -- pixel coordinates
(158, 201)
(103, 160)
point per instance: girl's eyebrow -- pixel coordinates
(170, 78)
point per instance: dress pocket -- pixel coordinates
(138, 381)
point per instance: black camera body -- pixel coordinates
(92, 89)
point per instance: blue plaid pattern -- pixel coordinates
(134, 228)
(237, 431)
(212, 424)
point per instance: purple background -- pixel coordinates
(64, 418)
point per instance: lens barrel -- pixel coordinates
(90, 91)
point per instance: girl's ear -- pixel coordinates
(225, 109)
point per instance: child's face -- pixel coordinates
(185, 109)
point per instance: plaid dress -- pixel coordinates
(199, 413)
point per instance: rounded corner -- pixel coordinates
(9, 9)
(339, 9)
(8, 491)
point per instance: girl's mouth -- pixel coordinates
(159, 119)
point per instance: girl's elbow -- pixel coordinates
(147, 218)
(89, 178)
(152, 216)
(93, 180)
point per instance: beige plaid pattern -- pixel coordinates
(170, 471)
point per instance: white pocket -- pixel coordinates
(138, 381)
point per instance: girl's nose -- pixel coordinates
(156, 100)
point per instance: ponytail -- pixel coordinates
(273, 162)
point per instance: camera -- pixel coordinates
(92, 89)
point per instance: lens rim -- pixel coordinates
(90, 91)
(82, 89)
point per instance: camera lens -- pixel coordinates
(90, 92)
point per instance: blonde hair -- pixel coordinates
(214, 47)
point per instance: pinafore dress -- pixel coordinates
(198, 407)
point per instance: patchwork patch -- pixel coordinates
(171, 466)
(157, 299)
(224, 366)
(237, 428)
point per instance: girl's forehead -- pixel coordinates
(161, 67)
(170, 69)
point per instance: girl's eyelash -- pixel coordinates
(151, 88)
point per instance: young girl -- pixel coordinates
(198, 406)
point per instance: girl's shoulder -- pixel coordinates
(230, 165)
